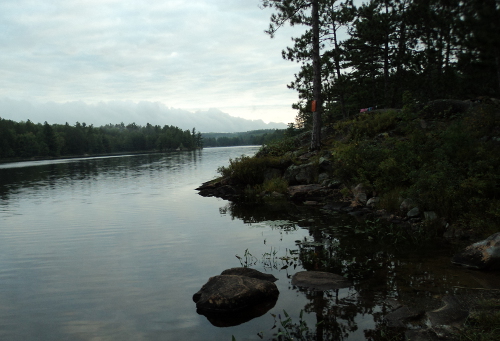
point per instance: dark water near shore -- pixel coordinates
(114, 248)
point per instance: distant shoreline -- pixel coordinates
(83, 156)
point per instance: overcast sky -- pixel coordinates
(190, 55)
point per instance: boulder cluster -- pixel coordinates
(238, 295)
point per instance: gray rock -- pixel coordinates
(301, 174)
(233, 293)
(248, 272)
(359, 193)
(331, 183)
(304, 191)
(413, 213)
(407, 205)
(430, 215)
(322, 177)
(360, 188)
(400, 316)
(361, 198)
(271, 173)
(442, 108)
(319, 281)
(336, 206)
(481, 255)
(307, 155)
(373, 201)
(277, 195)
(325, 164)
(448, 318)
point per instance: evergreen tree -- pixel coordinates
(294, 12)
(50, 140)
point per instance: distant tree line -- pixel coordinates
(27, 139)
(249, 138)
(432, 49)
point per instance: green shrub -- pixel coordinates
(279, 147)
(277, 184)
(483, 325)
(370, 124)
(248, 170)
(391, 200)
(354, 162)
(450, 167)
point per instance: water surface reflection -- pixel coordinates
(114, 248)
(385, 276)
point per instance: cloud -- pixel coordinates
(115, 112)
(193, 55)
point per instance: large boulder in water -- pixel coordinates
(234, 291)
(483, 255)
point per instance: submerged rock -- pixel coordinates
(229, 319)
(400, 316)
(483, 255)
(448, 318)
(320, 281)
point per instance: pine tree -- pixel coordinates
(294, 12)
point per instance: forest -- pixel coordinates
(249, 138)
(27, 139)
(371, 53)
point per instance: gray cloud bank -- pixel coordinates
(194, 55)
(115, 112)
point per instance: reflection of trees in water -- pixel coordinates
(255, 212)
(382, 273)
(334, 316)
(69, 171)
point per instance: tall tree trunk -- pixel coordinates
(386, 61)
(316, 131)
(497, 62)
(399, 62)
(448, 51)
(337, 67)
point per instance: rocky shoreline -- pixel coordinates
(310, 185)
(309, 179)
(435, 322)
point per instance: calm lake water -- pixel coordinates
(113, 248)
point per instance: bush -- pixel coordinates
(279, 147)
(449, 167)
(277, 184)
(371, 124)
(248, 170)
